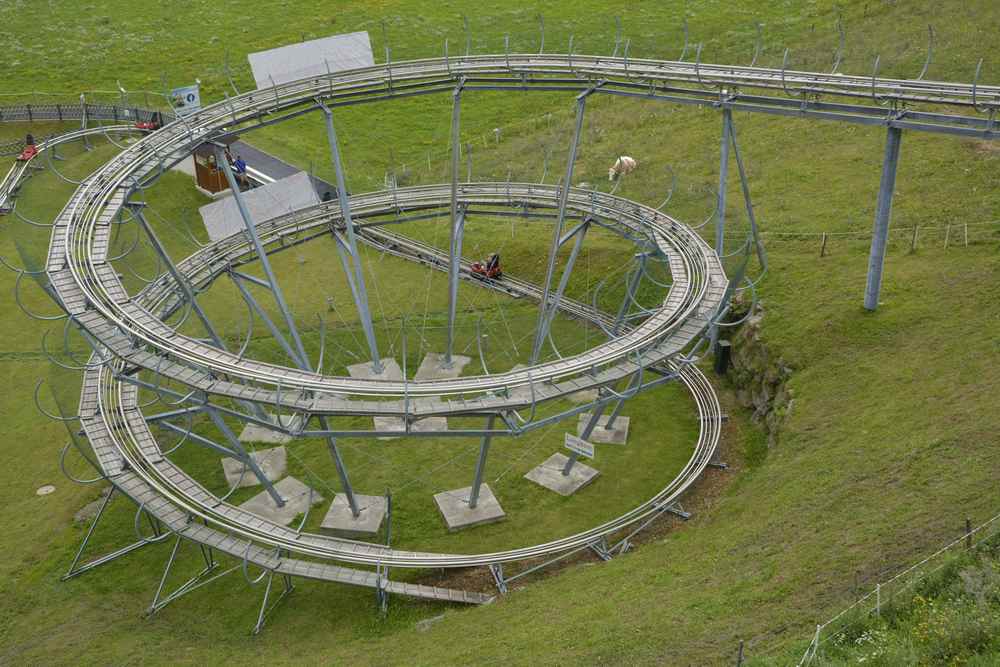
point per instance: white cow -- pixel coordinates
(623, 165)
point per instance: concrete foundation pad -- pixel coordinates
(432, 367)
(616, 435)
(390, 371)
(296, 496)
(272, 462)
(549, 474)
(257, 433)
(454, 507)
(340, 521)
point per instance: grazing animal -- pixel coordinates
(623, 165)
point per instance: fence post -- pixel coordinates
(913, 241)
(968, 533)
(739, 655)
(947, 234)
(966, 235)
(822, 248)
(878, 599)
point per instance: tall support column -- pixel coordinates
(304, 365)
(581, 104)
(484, 449)
(454, 257)
(883, 213)
(268, 322)
(303, 360)
(279, 297)
(457, 223)
(361, 292)
(720, 216)
(563, 281)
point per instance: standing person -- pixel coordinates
(241, 172)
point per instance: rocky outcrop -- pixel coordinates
(760, 377)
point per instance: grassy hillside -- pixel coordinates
(947, 616)
(892, 438)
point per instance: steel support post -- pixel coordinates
(630, 289)
(187, 289)
(345, 481)
(304, 365)
(344, 254)
(361, 293)
(614, 414)
(194, 582)
(454, 258)
(883, 213)
(588, 429)
(268, 322)
(75, 570)
(279, 297)
(265, 611)
(720, 214)
(747, 200)
(477, 479)
(457, 223)
(234, 442)
(563, 281)
(182, 282)
(581, 105)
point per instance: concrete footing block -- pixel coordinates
(616, 435)
(272, 462)
(433, 368)
(297, 498)
(340, 521)
(390, 371)
(454, 508)
(549, 474)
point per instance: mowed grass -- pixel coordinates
(891, 439)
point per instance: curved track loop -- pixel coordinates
(131, 327)
(96, 298)
(134, 462)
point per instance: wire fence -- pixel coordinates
(873, 604)
(911, 238)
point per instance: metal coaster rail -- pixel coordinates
(132, 336)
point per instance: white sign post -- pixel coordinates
(579, 446)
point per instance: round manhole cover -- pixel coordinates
(45, 490)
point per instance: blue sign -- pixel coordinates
(185, 100)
